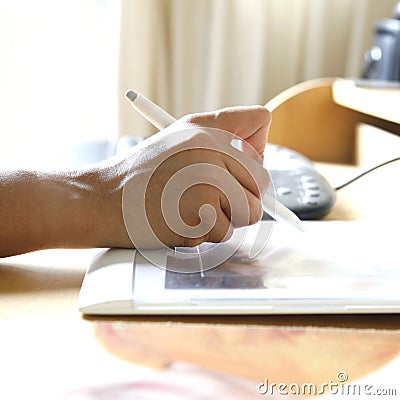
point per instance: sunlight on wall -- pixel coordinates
(58, 72)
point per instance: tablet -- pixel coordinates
(333, 267)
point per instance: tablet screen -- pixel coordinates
(333, 267)
(317, 268)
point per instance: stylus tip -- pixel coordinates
(131, 95)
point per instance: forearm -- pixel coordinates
(59, 210)
(84, 208)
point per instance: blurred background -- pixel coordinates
(65, 64)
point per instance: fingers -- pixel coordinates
(228, 217)
(208, 148)
(221, 231)
(247, 214)
(250, 123)
(218, 147)
(249, 173)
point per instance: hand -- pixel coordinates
(187, 184)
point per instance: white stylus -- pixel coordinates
(151, 111)
(161, 119)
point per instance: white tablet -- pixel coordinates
(334, 267)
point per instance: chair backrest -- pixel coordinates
(306, 119)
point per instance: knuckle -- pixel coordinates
(195, 118)
(264, 113)
(201, 139)
(201, 119)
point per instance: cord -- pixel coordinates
(365, 173)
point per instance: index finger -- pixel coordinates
(250, 123)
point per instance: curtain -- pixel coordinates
(198, 55)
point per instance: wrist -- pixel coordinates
(103, 203)
(84, 209)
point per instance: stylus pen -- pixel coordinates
(161, 119)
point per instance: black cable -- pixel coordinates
(365, 173)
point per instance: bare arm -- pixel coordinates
(78, 209)
(64, 209)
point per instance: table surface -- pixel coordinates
(375, 98)
(48, 349)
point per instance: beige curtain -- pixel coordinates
(197, 55)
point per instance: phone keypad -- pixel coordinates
(297, 184)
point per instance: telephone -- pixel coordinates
(294, 181)
(297, 184)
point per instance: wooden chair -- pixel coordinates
(308, 118)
